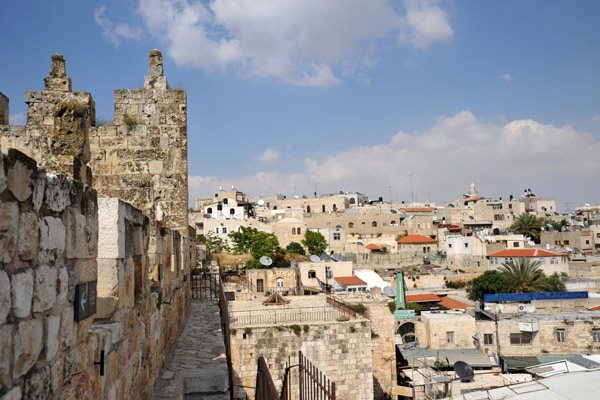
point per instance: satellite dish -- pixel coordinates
(325, 257)
(389, 291)
(261, 202)
(360, 243)
(394, 211)
(315, 259)
(500, 307)
(266, 261)
(338, 257)
(465, 371)
(338, 227)
(207, 216)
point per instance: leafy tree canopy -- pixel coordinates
(259, 244)
(524, 274)
(314, 242)
(295, 248)
(528, 225)
(213, 243)
(491, 282)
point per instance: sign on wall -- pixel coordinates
(85, 300)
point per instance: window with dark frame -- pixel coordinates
(488, 338)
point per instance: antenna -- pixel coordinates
(412, 197)
(266, 261)
(315, 259)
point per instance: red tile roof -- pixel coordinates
(350, 280)
(414, 239)
(525, 253)
(419, 209)
(416, 298)
(473, 199)
(372, 247)
(452, 304)
(595, 308)
(454, 228)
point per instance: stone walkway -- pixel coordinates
(196, 367)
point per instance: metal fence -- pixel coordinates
(285, 315)
(205, 286)
(265, 388)
(341, 306)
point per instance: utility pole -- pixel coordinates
(412, 197)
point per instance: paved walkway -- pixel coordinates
(196, 367)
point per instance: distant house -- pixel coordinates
(417, 244)
(550, 261)
(374, 248)
(349, 284)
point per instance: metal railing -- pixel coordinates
(340, 305)
(225, 323)
(312, 383)
(285, 315)
(204, 286)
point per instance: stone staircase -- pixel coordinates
(196, 367)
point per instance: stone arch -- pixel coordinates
(407, 332)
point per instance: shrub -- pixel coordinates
(129, 121)
(360, 309)
(343, 318)
(248, 331)
(305, 328)
(392, 306)
(352, 329)
(296, 329)
(374, 335)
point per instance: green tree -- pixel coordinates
(314, 242)
(295, 248)
(242, 240)
(525, 275)
(251, 240)
(490, 282)
(552, 283)
(528, 225)
(213, 243)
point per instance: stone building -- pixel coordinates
(550, 261)
(75, 260)
(501, 213)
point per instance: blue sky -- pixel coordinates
(355, 95)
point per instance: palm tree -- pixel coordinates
(528, 225)
(524, 274)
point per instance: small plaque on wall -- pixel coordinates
(85, 300)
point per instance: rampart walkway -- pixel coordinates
(196, 367)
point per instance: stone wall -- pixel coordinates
(340, 350)
(51, 241)
(383, 348)
(48, 245)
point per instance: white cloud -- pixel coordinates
(270, 155)
(303, 43)
(457, 150)
(506, 77)
(426, 23)
(115, 33)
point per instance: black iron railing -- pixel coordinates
(204, 286)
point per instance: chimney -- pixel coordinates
(3, 109)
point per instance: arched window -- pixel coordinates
(323, 207)
(219, 207)
(334, 208)
(351, 201)
(232, 211)
(298, 231)
(293, 231)
(350, 224)
(225, 201)
(392, 223)
(279, 283)
(374, 224)
(308, 209)
(209, 210)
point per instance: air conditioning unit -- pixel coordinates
(526, 308)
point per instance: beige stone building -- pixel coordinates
(501, 213)
(270, 280)
(311, 273)
(417, 244)
(550, 262)
(581, 239)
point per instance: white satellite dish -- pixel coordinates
(338, 257)
(261, 202)
(266, 261)
(315, 259)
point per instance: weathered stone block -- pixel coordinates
(56, 374)
(68, 331)
(13, 394)
(28, 236)
(2, 175)
(81, 235)
(52, 239)
(52, 336)
(28, 345)
(37, 386)
(62, 285)
(19, 173)
(6, 344)
(5, 300)
(44, 295)
(57, 192)
(9, 218)
(22, 293)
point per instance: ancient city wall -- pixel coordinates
(56, 234)
(340, 350)
(382, 348)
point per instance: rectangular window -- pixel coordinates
(521, 338)
(449, 245)
(498, 217)
(451, 337)
(587, 242)
(224, 229)
(336, 236)
(560, 335)
(260, 286)
(566, 242)
(488, 338)
(516, 244)
(466, 244)
(596, 335)
(598, 235)
(328, 272)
